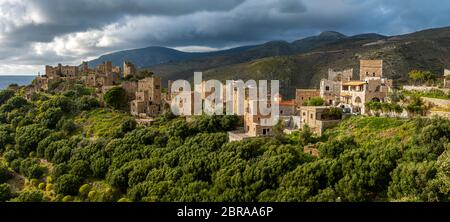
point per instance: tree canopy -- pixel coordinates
(116, 98)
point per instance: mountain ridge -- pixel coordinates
(156, 55)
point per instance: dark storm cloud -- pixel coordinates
(64, 16)
(50, 31)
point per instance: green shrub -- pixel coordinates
(5, 173)
(115, 98)
(84, 190)
(67, 184)
(41, 186)
(5, 95)
(123, 199)
(30, 196)
(34, 182)
(316, 101)
(49, 187)
(5, 192)
(67, 198)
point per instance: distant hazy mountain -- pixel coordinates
(155, 55)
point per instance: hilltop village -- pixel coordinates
(339, 95)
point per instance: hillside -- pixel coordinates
(64, 147)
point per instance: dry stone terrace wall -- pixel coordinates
(424, 88)
(437, 102)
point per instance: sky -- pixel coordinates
(34, 33)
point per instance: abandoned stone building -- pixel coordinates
(147, 102)
(304, 95)
(61, 71)
(99, 80)
(128, 69)
(56, 74)
(130, 87)
(105, 67)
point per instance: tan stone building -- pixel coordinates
(340, 89)
(99, 80)
(130, 87)
(256, 124)
(105, 67)
(128, 69)
(370, 69)
(330, 88)
(304, 95)
(148, 98)
(371, 87)
(61, 71)
(340, 75)
(358, 93)
(447, 78)
(315, 118)
(55, 74)
(287, 108)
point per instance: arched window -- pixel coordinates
(357, 99)
(375, 99)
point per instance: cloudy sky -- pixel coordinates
(38, 32)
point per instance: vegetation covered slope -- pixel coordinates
(48, 153)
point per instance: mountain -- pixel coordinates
(185, 69)
(317, 41)
(155, 55)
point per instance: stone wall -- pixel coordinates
(312, 150)
(436, 102)
(343, 75)
(303, 95)
(423, 88)
(440, 114)
(323, 125)
(130, 88)
(371, 68)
